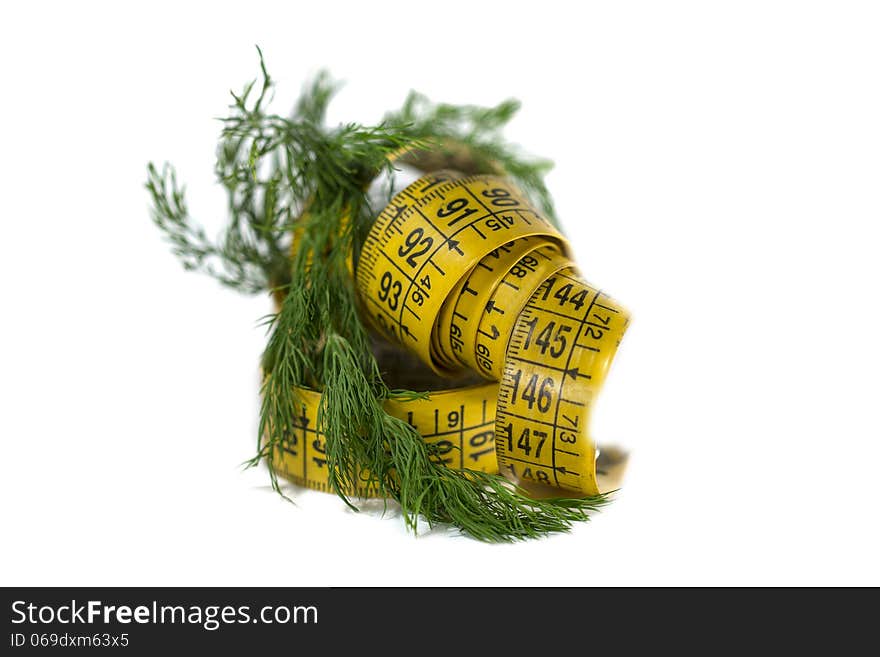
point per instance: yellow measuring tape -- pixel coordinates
(466, 274)
(459, 421)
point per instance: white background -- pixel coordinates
(717, 170)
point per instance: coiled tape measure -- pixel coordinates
(466, 274)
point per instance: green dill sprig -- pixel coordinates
(298, 210)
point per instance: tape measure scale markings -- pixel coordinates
(465, 273)
(459, 421)
(559, 353)
(423, 243)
